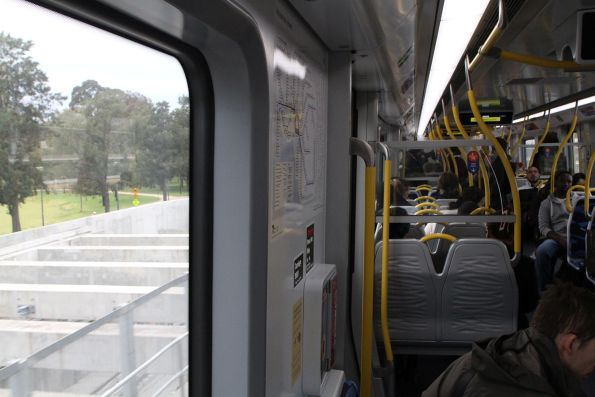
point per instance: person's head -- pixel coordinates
(533, 175)
(472, 193)
(448, 184)
(562, 183)
(401, 188)
(398, 230)
(467, 207)
(566, 315)
(578, 178)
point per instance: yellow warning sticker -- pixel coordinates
(296, 340)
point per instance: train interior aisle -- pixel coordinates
(285, 198)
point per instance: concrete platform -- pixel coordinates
(107, 254)
(91, 273)
(91, 302)
(129, 239)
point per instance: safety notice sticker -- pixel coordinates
(309, 247)
(298, 269)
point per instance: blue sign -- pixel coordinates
(473, 162)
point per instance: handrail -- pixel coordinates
(561, 148)
(384, 277)
(546, 129)
(494, 35)
(170, 381)
(144, 365)
(487, 131)
(435, 236)
(572, 189)
(445, 166)
(428, 198)
(428, 211)
(482, 167)
(448, 149)
(453, 137)
(481, 210)
(588, 182)
(108, 318)
(517, 144)
(362, 149)
(567, 66)
(428, 204)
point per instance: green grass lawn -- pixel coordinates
(60, 207)
(173, 187)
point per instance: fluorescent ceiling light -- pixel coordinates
(562, 108)
(536, 115)
(458, 22)
(586, 101)
(518, 120)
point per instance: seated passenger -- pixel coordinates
(467, 207)
(401, 193)
(398, 230)
(448, 186)
(472, 194)
(553, 219)
(578, 178)
(533, 175)
(547, 359)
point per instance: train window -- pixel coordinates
(94, 209)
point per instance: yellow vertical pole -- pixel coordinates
(588, 182)
(453, 137)
(368, 285)
(384, 281)
(561, 148)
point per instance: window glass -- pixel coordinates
(94, 182)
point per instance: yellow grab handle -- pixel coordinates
(461, 149)
(561, 148)
(428, 198)
(384, 280)
(546, 129)
(482, 210)
(588, 181)
(428, 211)
(516, 201)
(435, 236)
(428, 204)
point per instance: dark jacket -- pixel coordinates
(524, 364)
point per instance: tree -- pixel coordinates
(180, 120)
(105, 110)
(156, 151)
(26, 102)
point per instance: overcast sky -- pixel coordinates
(70, 52)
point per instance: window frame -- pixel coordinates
(201, 97)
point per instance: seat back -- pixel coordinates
(415, 232)
(590, 250)
(412, 291)
(479, 294)
(576, 233)
(460, 231)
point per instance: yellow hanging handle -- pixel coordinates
(435, 236)
(516, 201)
(445, 165)
(431, 204)
(482, 210)
(561, 148)
(454, 138)
(448, 150)
(482, 167)
(384, 279)
(428, 211)
(540, 141)
(426, 198)
(518, 142)
(588, 182)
